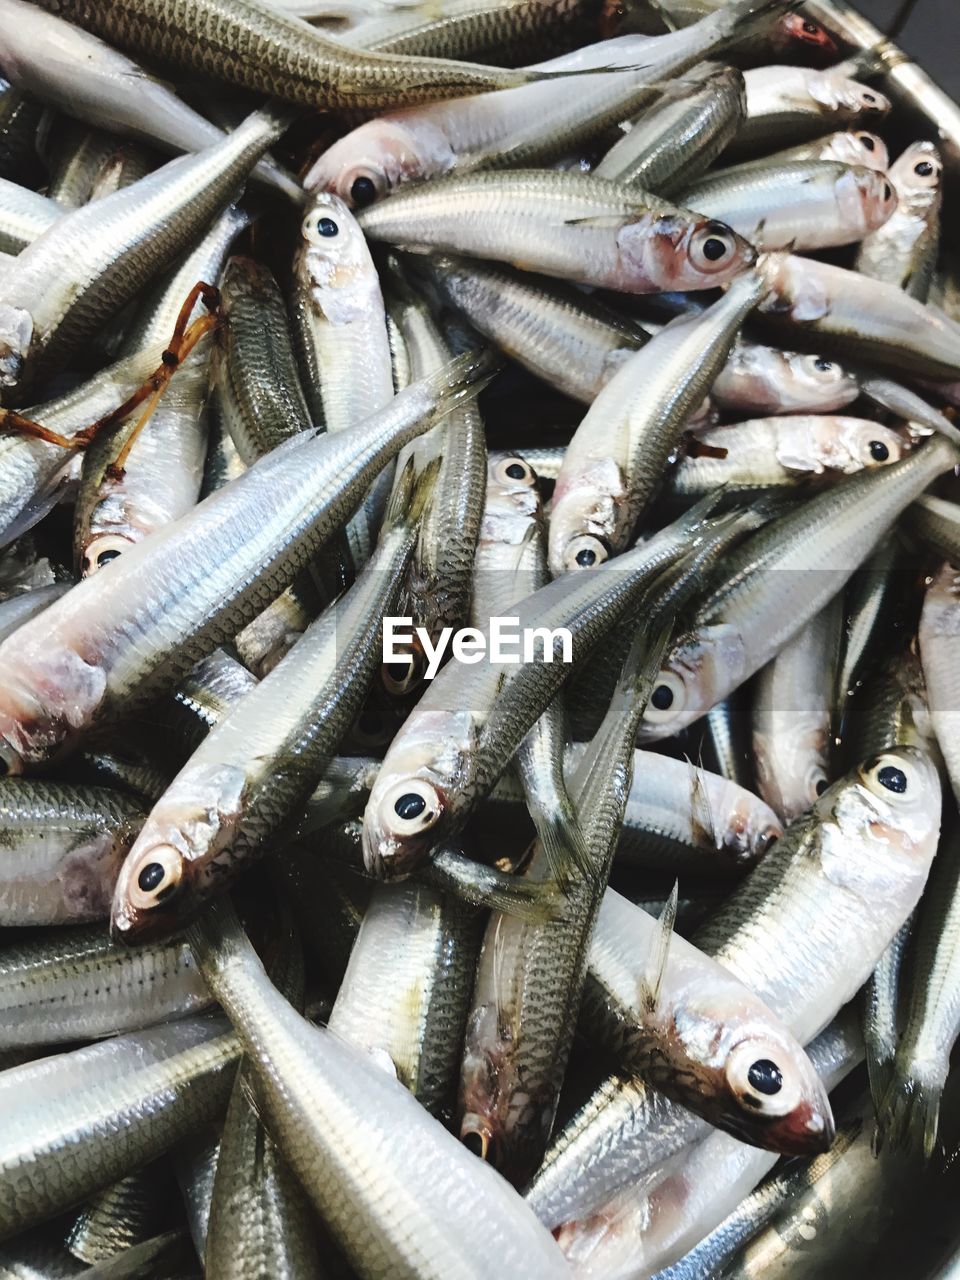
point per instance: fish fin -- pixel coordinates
(700, 806)
(562, 839)
(909, 1115)
(601, 221)
(652, 980)
(452, 871)
(412, 493)
(879, 1075)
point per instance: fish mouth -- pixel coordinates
(808, 1130)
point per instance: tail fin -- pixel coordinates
(558, 828)
(412, 493)
(909, 1115)
(532, 900)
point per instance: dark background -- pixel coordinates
(931, 35)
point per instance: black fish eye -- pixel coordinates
(870, 98)
(887, 191)
(363, 192)
(714, 249)
(409, 806)
(765, 1077)
(879, 451)
(516, 471)
(893, 779)
(105, 557)
(821, 786)
(924, 168)
(823, 365)
(585, 557)
(327, 227)
(869, 144)
(811, 28)
(662, 697)
(151, 877)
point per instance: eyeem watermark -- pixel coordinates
(503, 641)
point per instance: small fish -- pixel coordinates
(795, 103)
(904, 250)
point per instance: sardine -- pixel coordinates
(796, 103)
(904, 250)
(939, 631)
(24, 216)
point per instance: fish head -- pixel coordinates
(420, 791)
(771, 1094)
(684, 252)
(16, 335)
(701, 670)
(857, 146)
(917, 174)
(880, 823)
(796, 33)
(841, 94)
(744, 827)
(171, 868)
(378, 157)
(865, 197)
(100, 550)
(332, 262)
(49, 693)
(589, 515)
(815, 383)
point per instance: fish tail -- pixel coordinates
(879, 1075)
(412, 492)
(535, 901)
(465, 375)
(909, 1115)
(561, 836)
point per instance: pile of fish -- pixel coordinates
(337, 336)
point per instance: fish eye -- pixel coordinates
(411, 807)
(888, 777)
(924, 169)
(158, 877)
(515, 470)
(765, 1076)
(363, 192)
(327, 227)
(713, 247)
(887, 191)
(821, 786)
(585, 552)
(317, 227)
(758, 1079)
(867, 141)
(824, 370)
(811, 29)
(667, 699)
(869, 98)
(101, 552)
(878, 451)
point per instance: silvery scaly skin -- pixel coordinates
(461, 735)
(254, 769)
(811, 204)
(937, 522)
(939, 632)
(792, 715)
(846, 146)
(904, 251)
(72, 70)
(24, 215)
(164, 469)
(77, 1121)
(678, 138)
(75, 984)
(128, 635)
(121, 1216)
(654, 1223)
(406, 991)
(63, 846)
(529, 125)
(255, 46)
(615, 461)
(336, 1115)
(775, 452)
(95, 258)
(564, 224)
(795, 103)
(561, 334)
(21, 608)
(341, 329)
(78, 157)
(844, 311)
(705, 1039)
(778, 580)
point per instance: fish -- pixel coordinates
(330, 1107)
(797, 103)
(92, 260)
(937, 635)
(714, 657)
(678, 138)
(231, 796)
(772, 453)
(257, 47)
(323, 476)
(904, 250)
(614, 463)
(937, 522)
(24, 216)
(122, 1216)
(572, 226)
(87, 163)
(760, 380)
(808, 205)
(93, 82)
